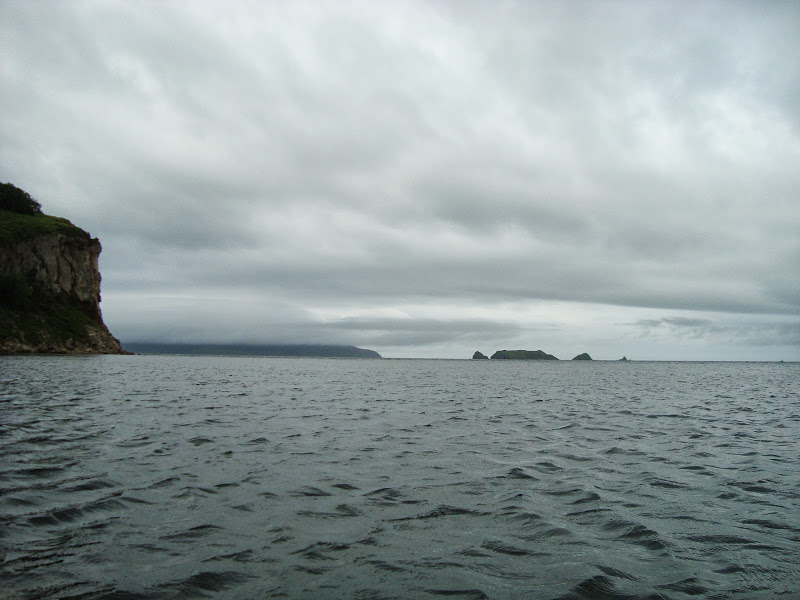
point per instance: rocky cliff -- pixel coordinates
(49, 285)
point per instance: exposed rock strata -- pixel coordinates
(50, 284)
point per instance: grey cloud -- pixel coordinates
(764, 332)
(617, 155)
(422, 332)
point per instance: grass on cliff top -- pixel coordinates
(17, 227)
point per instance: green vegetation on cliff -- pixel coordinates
(52, 324)
(15, 227)
(522, 355)
(19, 201)
(21, 218)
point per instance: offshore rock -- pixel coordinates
(584, 356)
(50, 287)
(479, 356)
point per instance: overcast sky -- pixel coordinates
(422, 178)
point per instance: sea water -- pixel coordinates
(128, 477)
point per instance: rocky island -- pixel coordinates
(49, 282)
(522, 355)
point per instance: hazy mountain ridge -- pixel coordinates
(273, 350)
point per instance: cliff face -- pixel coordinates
(58, 265)
(50, 288)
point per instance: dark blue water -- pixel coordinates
(191, 477)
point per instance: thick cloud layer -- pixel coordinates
(422, 178)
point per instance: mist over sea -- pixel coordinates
(133, 477)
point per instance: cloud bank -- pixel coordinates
(422, 178)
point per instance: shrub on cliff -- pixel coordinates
(21, 218)
(19, 201)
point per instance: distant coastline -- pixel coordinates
(273, 350)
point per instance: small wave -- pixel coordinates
(311, 570)
(518, 473)
(503, 548)
(74, 513)
(344, 486)
(309, 491)
(527, 518)
(547, 532)
(118, 595)
(690, 587)
(258, 441)
(245, 556)
(636, 534)
(626, 451)
(473, 594)
(207, 581)
(756, 487)
(191, 534)
(547, 467)
(41, 472)
(474, 552)
(730, 570)
(698, 470)
(611, 571)
(163, 483)
(590, 497)
(774, 525)
(386, 496)
(666, 483)
(601, 587)
(564, 492)
(136, 442)
(444, 510)
(193, 491)
(727, 540)
(199, 441)
(91, 485)
(342, 510)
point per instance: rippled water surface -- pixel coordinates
(184, 477)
